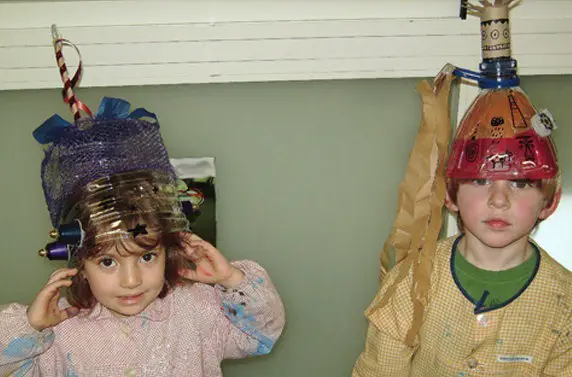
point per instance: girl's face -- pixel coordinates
(126, 282)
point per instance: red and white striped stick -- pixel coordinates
(69, 96)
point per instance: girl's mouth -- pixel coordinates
(133, 299)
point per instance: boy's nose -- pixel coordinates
(499, 195)
(130, 277)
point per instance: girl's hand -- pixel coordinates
(44, 311)
(211, 266)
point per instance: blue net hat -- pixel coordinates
(107, 177)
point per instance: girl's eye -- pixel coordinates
(146, 258)
(481, 181)
(106, 262)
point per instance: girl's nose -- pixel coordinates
(130, 277)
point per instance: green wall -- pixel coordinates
(307, 183)
(555, 94)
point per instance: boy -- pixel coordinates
(498, 305)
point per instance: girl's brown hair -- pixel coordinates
(140, 205)
(80, 295)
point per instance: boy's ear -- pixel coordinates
(549, 210)
(449, 203)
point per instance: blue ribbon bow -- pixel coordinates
(110, 108)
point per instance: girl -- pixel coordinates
(131, 310)
(131, 307)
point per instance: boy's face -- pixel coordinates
(126, 283)
(500, 212)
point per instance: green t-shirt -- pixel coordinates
(492, 289)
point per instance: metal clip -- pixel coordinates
(55, 33)
(447, 70)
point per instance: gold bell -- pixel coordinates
(54, 234)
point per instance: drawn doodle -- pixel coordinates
(472, 151)
(527, 143)
(497, 121)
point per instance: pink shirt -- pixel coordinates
(188, 333)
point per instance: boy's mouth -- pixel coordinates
(497, 223)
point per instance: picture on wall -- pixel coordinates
(196, 191)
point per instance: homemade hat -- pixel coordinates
(104, 172)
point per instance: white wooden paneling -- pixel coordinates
(200, 41)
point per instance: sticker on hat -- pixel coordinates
(543, 123)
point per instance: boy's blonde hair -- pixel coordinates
(548, 187)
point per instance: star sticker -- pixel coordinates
(139, 229)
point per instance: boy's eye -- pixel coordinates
(106, 262)
(481, 181)
(521, 183)
(148, 257)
